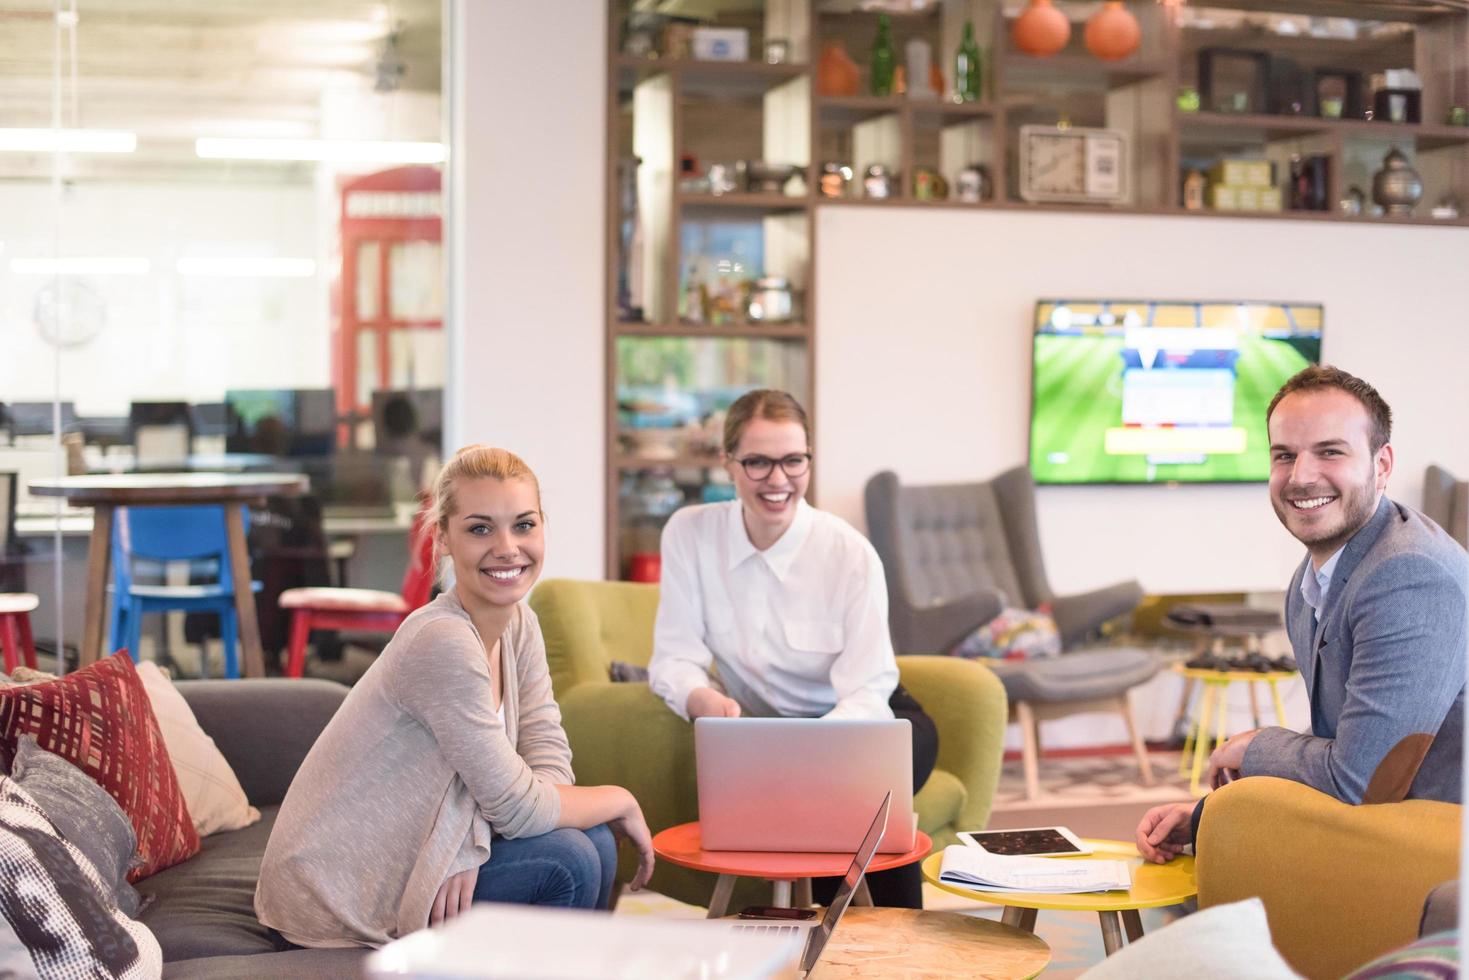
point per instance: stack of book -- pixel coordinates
(971, 867)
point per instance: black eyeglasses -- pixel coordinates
(760, 467)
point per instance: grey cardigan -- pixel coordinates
(410, 778)
(1385, 661)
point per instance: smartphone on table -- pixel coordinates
(776, 912)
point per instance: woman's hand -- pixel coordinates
(455, 896)
(705, 702)
(631, 826)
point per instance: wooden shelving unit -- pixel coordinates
(677, 112)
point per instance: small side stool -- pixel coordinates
(1215, 700)
(15, 629)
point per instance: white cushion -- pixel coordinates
(330, 599)
(1226, 942)
(212, 792)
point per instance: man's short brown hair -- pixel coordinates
(1319, 376)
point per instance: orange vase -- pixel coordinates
(836, 72)
(1113, 32)
(1041, 29)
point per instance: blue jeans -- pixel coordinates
(566, 867)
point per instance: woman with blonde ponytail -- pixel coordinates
(445, 778)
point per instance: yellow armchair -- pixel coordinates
(621, 733)
(1341, 884)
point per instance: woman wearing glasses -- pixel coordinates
(786, 602)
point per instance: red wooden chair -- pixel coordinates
(15, 629)
(325, 608)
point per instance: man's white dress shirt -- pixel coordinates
(797, 630)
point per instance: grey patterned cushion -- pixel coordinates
(51, 898)
(85, 814)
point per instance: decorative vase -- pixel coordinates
(1397, 188)
(1041, 29)
(836, 72)
(1113, 32)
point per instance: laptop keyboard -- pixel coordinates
(768, 930)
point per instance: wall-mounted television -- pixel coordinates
(1161, 391)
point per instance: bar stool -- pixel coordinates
(15, 629)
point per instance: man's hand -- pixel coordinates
(1165, 831)
(455, 896)
(632, 827)
(705, 702)
(1225, 761)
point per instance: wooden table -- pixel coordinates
(917, 945)
(1153, 886)
(682, 845)
(233, 491)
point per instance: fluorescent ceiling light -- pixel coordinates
(77, 266)
(67, 141)
(335, 151)
(261, 268)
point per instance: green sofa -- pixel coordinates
(621, 733)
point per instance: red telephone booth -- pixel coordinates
(391, 305)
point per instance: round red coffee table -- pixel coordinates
(682, 846)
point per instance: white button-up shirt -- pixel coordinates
(797, 630)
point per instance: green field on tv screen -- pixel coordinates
(1077, 399)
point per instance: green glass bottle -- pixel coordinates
(883, 59)
(968, 80)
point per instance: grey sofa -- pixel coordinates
(955, 554)
(202, 910)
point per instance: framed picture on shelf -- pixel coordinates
(1234, 80)
(1338, 93)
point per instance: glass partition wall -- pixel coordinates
(222, 253)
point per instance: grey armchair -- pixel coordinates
(1446, 501)
(954, 555)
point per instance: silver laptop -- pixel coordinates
(802, 784)
(818, 933)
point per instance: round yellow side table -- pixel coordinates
(1153, 886)
(1213, 702)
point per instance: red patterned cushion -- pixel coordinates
(99, 720)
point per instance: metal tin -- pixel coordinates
(835, 179)
(771, 300)
(878, 182)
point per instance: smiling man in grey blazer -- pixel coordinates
(1377, 613)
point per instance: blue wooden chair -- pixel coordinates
(158, 535)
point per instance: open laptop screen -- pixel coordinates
(843, 897)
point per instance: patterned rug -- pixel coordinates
(1094, 795)
(1086, 780)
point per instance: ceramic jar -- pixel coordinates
(1397, 188)
(1113, 32)
(1040, 29)
(836, 72)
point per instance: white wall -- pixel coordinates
(923, 343)
(528, 185)
(165, 336)
(923, 363)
